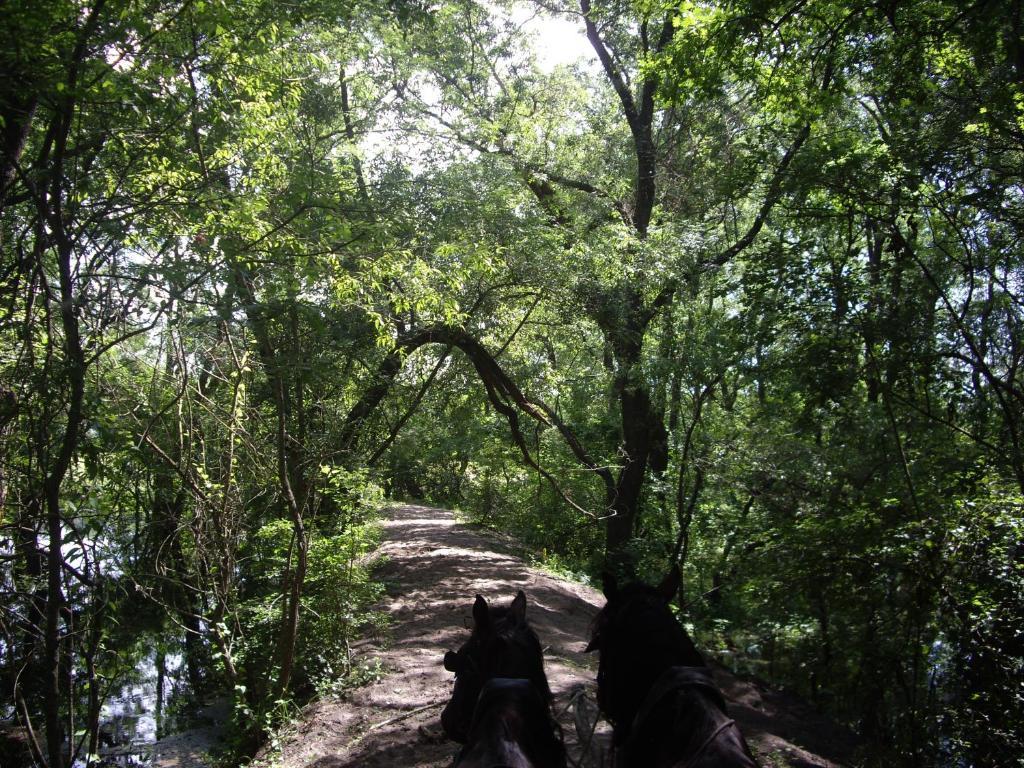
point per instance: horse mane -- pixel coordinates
(513, 712)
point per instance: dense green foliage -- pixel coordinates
(744, 291)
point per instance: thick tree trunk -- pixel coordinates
(637, 428)
(644, 439)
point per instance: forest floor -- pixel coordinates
(433, 567)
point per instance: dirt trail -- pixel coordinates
(434, 568)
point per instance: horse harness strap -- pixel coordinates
(672, 679)
(700, 750)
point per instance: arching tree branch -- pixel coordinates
(502, 392)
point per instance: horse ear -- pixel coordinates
(451, 661)
(670, 584)
(481, 615)
(608, 584)
(517, 611)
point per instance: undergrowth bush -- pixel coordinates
(338, 592)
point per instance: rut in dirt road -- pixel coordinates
(434, 566)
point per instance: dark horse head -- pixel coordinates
(512, 727)
(654, 686)
(502, 644)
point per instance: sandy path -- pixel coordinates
(434, 568)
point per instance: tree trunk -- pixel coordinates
(292, 483)
(161, 672)
(19, 109)
(644, 439)
(75, 372)
(52, 211)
